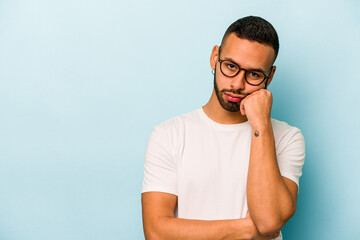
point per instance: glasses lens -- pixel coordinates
(255, 77)
(229, 69)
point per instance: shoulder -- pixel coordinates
(281, 128)
(285, 134)
(177, 123)
(173, 130)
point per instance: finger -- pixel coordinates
(242, 108)
(275, 235)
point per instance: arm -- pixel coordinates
(271, 197)
(159, 223)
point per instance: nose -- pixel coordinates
(238, 82)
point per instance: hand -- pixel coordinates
(255, 233)
(257, 107)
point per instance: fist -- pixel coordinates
(257, 107)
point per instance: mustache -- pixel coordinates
(237, 92)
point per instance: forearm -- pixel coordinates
(270, 202)
(170, 228)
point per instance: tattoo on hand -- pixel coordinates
(256, 133)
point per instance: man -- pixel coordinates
(226, 170)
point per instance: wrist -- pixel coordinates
(252, 231)
(261, 125)
(242, 228)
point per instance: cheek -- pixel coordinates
(222, 82)
(251, 88)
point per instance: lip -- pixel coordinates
(234, 98)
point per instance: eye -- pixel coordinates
(254, 74)
(231, 66)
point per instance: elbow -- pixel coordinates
(269, 228)
(274, 225)
(150, 234)
(153, 229)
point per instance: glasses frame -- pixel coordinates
(266, 78)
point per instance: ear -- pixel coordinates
(214, 56)
(272, 75)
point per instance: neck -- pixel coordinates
(217, 113)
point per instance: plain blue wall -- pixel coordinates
(82, 83)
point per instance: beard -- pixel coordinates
(226, 104)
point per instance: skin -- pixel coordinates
(271, 198)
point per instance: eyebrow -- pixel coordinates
(253, 69)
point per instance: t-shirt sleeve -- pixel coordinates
(291, 154)
(160, 173)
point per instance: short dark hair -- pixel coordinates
(254, 29)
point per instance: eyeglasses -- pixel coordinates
(252, 77)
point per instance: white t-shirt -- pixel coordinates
(205, 163)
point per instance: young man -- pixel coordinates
(226, 170)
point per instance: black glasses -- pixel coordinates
(253, 77)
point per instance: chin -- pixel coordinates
(230, 106)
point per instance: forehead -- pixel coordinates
(247, 53)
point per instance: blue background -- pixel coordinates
(82, 84)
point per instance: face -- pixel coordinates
(248, 55)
